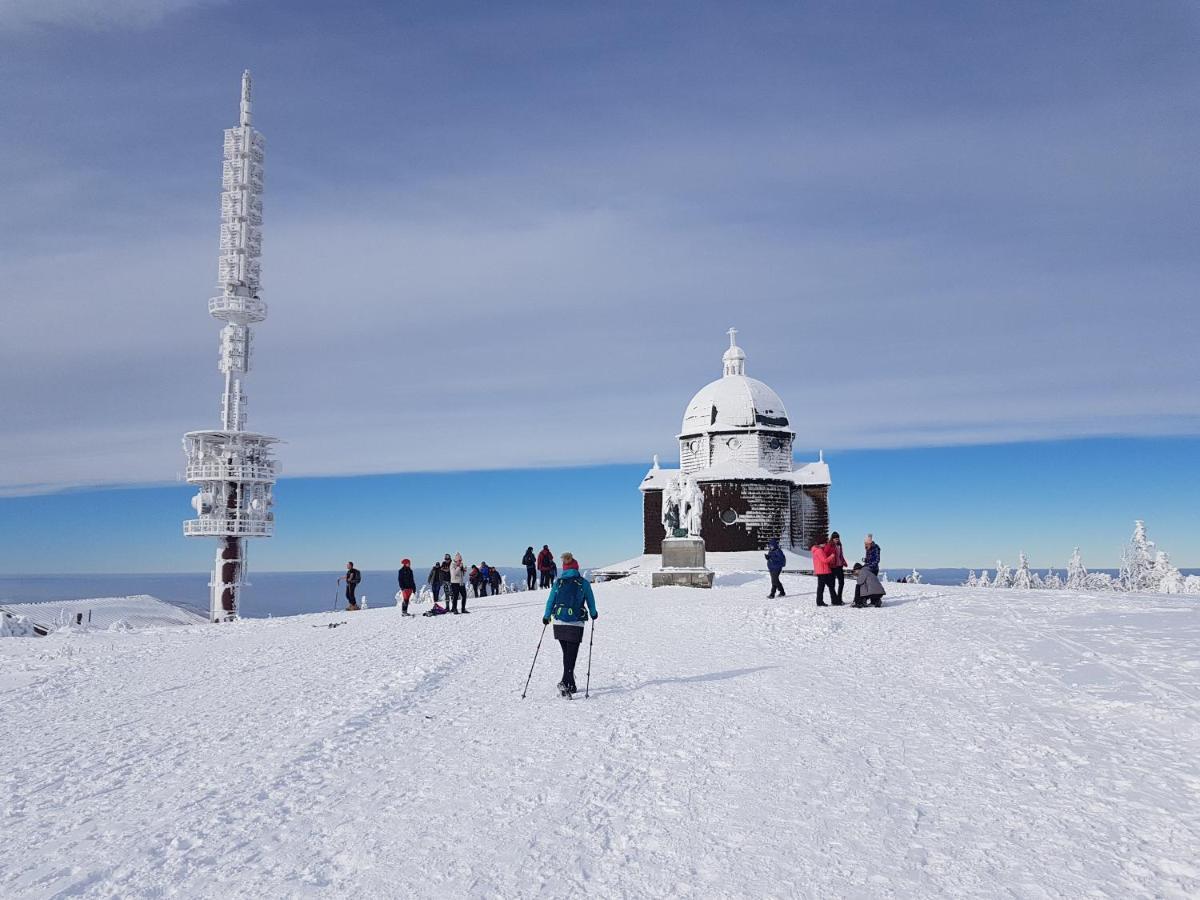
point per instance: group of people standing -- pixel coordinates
(540, 567)
(829, 565)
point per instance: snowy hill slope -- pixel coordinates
(956, 743)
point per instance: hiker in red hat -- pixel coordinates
(408, 585)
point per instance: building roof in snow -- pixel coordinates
(138, 611)
(734, 401)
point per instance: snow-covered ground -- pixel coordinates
(955, 743)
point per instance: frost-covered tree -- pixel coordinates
(1077, 574)
(1052, 582)
(1003, 577)
(1167, 579)
(1137, 561)
(984, 580)
(883, 576)
(915, 577)
(1023, 579)
(971, 581)
(1191, 584)
(1101, 581)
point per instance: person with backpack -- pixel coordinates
(570, 604)
(352, 578)
(495, 579)
(868, 588)
(408, 585)
(458, 586)
(529, 561)
(436, 581)
(822, 569)
(485, 578)
(775, 563)
(545, 563)
(474, 577)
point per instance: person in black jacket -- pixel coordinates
(408, 585)
(436, 580)
(352, 579)
(529, 561)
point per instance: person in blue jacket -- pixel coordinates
(775, 563)
(570, 603)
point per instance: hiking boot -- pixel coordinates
(838, 603)
(822, 603)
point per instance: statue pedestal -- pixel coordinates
(682, 564)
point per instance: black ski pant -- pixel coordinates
(350, 594)
(825, 581)
(437, 589)
(457, 592)
(530, 577)
(475, 588)
(776, 584)
(570, 651)
(839, 581)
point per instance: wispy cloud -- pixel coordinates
(19, 15)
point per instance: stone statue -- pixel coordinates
(691, 506)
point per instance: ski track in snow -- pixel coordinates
(956, 743)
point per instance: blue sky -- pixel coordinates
(944, 506)
(511, 236)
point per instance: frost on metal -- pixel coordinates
(234, 470)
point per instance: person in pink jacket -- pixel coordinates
(837, 567)
(822, 569)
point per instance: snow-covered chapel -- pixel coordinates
(736, 442)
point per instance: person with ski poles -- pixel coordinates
(570, 604)
(775, 563)
(529, 561)
(408, 585)
(352, 579)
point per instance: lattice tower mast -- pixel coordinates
(234, 469)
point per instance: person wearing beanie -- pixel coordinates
(569, 605)
(545, 565)
(458, 586)
(408, 585)
(837, 566)
(475, 578)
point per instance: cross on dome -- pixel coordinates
(734, 358)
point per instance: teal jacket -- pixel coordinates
(571, 613)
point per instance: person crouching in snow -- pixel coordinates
(570, 603)
(408, 585)
(775, 563)
(867, 588)
(823, 570)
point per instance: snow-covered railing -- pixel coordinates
(236, 308)
(224, 471)
(231, 527)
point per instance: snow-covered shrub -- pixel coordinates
(15, 626)
(1100, 581)
(1191, 584)
(971, 581)
(1166, 578)
(1077, 574)
(1003, 577)
(1023, 579)
(984, 579)
(1137, 561)
(1052, 582)
(915, 577)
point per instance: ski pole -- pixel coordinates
(336, 587)
(591, 637)
(534, 663)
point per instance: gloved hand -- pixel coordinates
(594, 617)
(545, 621)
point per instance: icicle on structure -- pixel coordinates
(234, 469)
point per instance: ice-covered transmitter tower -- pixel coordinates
(233, 469)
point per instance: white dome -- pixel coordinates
(734, 402)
